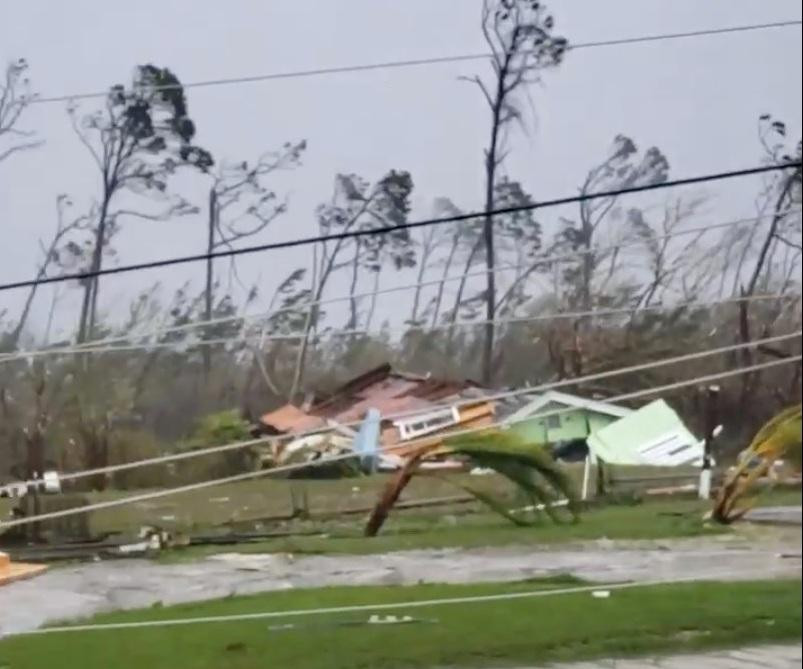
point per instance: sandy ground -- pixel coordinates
(82, 590)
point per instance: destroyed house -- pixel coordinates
(411, 407)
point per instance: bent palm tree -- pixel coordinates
(779, 438)
(527, 465)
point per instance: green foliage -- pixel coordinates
(779, 438)
(223, 427)
(220, 428)
(527, 465)
(126, 445)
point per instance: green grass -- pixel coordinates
(250, 501)
(467, 525)
(654, 519)
(407, 531)
(534, 630)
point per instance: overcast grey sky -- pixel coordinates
(698, 100)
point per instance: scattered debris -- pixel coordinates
(17, 571)
(377, 393)
(49, 484)
(372, 620)
(654, 435)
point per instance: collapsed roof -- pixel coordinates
(392, 393)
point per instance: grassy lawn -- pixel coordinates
(408, 531)
(487, 634)
(259, 500)
(244, 506)
(654, 519)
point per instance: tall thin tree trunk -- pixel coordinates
(749, 381)
(263, 370)
(372, 309)
(355, 272)
(447, 266)
(90, 302)
(426, 251)
(316, 292)
(586, 301)
(210, 269)
(458, 300)
(417, 295)
(491, 164)
(50, 315)
(26, 309)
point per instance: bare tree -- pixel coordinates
(622, 168)
(519, 34)
(15, 98)
(445, 207)
(137, 140)
(51, 254)
(356, 206)
(666, 259)
(241, 206)
(520, 237)
(429, 241)
(786, 195)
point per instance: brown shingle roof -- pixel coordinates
(291, 419)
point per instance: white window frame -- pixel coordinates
(417, 426)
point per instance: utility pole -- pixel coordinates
(712, 429)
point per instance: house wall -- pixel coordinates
(532, 431)
(598, 421)
(567, 426)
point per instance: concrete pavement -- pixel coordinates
(777, 515)
(78, 591)
(760, 657)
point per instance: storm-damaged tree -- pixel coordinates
(587, 270)
(783, 195)
(15, 98)
(287, 317)
(61, 243)
(520, 36)
(241, 205)
(390, 207)
(137, 140)
(520, 243)
(527, 466)
(356, 207)
(517, 243)
(676, 262)
(622, 168)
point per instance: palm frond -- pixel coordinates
(496, 505)
(780, 437)
(526, 464)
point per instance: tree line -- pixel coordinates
(478, 280)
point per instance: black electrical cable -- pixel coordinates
(303, 241)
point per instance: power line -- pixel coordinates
(245, 476)
(563, 383)
(102, 347)
(545, 258)
(354, 234)
(398, 64)
(389, 606)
